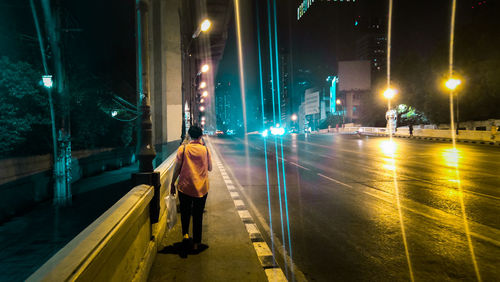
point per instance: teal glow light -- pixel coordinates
(263, 125)
(47, 81)
(281, 131)
(333, 94)
(269, 22)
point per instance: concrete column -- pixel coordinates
(172, 70)
(165, 70)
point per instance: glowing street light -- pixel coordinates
(452, 83)
(202, 109)
(114, 113)
(338, 102)
(47, 81)
(205, 25)
(389, 93)
(205, 68)
(204, 94)
(294, 117)
(203, 84)
(202, 101)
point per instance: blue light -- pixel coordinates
(356, 23)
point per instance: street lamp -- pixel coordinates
(204, 94)
(202, 108)
(452, 84)
(338, 102)
(202, 101)
(203, 84)
(389, 93)
(47, 81)
(204, 26)
(294, 117)
(205, 68)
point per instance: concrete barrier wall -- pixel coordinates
(468, 135)
(24, 182)
(119, 246)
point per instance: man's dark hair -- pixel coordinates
(195, 131)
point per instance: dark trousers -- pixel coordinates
(195, 206)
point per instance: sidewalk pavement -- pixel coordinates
(230, 255)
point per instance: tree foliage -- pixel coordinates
(24, 108)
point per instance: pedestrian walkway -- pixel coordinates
(231, 254)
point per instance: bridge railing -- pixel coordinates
(120, 245)
(444, 134)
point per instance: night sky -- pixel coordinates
(326, 34)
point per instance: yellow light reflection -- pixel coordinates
(453, 193)
(388, 147)
(451, 157)
(389, 167)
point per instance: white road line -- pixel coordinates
(244, 214)
(275, 275)
(252, 229)
(298, 165)
(262, 249)
(335, 180)
(239, 203)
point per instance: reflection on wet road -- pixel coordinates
(367, 208)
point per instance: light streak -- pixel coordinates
(269, 22)
(263, 125)
(393, 162)
(281, 139)
(453, 137)
(240, 61)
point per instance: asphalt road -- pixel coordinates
(365, 209)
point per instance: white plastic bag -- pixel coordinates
(171, 204)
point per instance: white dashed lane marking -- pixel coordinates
(252, 229)
(297, 165)
(244, 214)
(265, 255)
(335, 180)
(239, 203)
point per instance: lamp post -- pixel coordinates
(204, 26)
(452, 84)
(339, 104)
(389, 93)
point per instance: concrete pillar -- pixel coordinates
(172, 86)
(165, 70)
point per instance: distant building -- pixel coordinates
(372, 45)
(285, 95)
(223, 104)
(354, 82)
